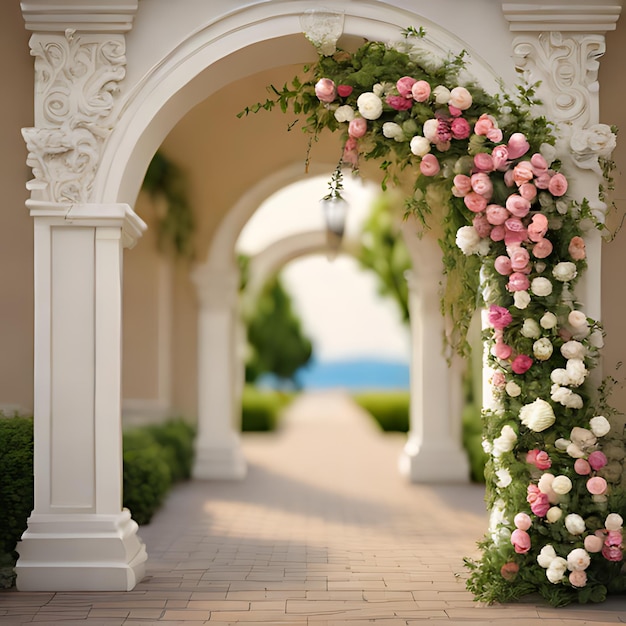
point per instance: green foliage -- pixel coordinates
(260, 409)
(176, 227)
(472, 442)
(276, 341)
(384, 252)
(16, 488)
(390, 409)
(176, 437)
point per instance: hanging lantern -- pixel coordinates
(335, 210)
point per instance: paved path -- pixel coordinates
(323, 532)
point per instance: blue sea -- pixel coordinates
(352, 374)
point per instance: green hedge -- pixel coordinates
(261, 408)
(473, 442)
(389, 408)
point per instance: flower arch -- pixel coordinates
(486, 167)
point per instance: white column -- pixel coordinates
(78, 537)
(433, 452)
(218, 447)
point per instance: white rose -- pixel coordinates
(420, 146)
(391, 130)
(575, 451)
(513, 389)
(562, 206)
(530, 329)
(575, 524)
(583, 437)
(578, 560)
(554, 514)
(460, 98)
(596, 339)
(504, 478)
(580, 326)
(561, 444)
(537, 415)
(486, 446)
(574, 401)
(505, 442)
(573, 350)
(564, 271)
(548, 320)
(562, 485)
(613, 521)
(576, 371)
(566, 397)
(556, 570)
(540, 266)
(521, 299)
(441, 94)
(546, 556)
(542, 349)
(484, 246)
(468, 240)
(559, 376)
(370, 105)
(541, 286)
(600, 426)
(430, 130)
(344, 113)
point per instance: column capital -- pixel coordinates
(113, 16)
(588, 17)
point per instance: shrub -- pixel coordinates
(176, 436)
(260, 409)
(389, 408)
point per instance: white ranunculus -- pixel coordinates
(561, 444)
(521, 299)
(541, 286)
(561, 484)
(420, 146)
(576, 371)
(430, 130)
(542, 349)
(544, 484)
(559, 376)
(583, 437)
(486, 446)
(575, 451)
(578, 559)
(596, 339)
(575, 524)
(505, 442)
(556, 570)
(370, 105)
(564, 271)
(344, 113)
(460, 98)
(613, 521)
(537, 415)
(580, 326)
(574, 401)
(530, 329)
(441, 94)
(566, 397)
(573, 350)
(600, 426)
(548, 320)
(484, 246)
(554, 514)
(391, 130)
(513, 389)
(468, 240)
(540, 267)
(546, 556)
(504, 478)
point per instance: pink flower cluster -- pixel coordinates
(499, 318)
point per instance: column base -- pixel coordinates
(220, 462)
(437, 462)
(80, 552)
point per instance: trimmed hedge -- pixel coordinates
(389, 408)
(261, 408)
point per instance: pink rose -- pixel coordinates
(325, 90)
(429, 166)
(518, 145)
(542, 249)
(484, 124)
(474, 201)
(498, 379)
(518, 282)
(539, 503)
(463, 185)
(542, 181)
(483, 162)
(521, 364)
(596, 486)
(538, 227)
(460, 128)
(557, 185)
(481, 225)
(481, 183)
(539, 458)
(509, 571)
(495, 135)
(454, 112)
(499, 317)
(501, 350)
(502, 265)
(351, 152)
(576, 248)
(500, 156)
(593, 543)
(497, 233)
(508, 178)
(528, 191)
(420, 91)
(578, 578)
(520, 540)
(496, 214)
(399, 103)
(357, 127)
(522, 521)
(582, 467)
(520, 259)
(517, 206)
(597, 460)
(344, 90)
(539, 163)
(514, 231)
(404, 86)
(522, 173)
(613, 538)
(612, 553)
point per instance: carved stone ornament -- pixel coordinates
(77, 80)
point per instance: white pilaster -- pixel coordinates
(218, 448)
(78, 536)
(433, 452)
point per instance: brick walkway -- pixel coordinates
(323, 532)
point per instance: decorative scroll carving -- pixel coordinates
(77, 80)
(567, 66)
